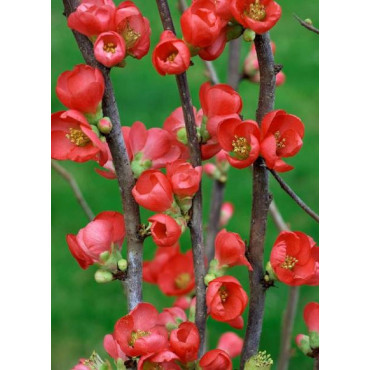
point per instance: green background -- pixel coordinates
(83, 311)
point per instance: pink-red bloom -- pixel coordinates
(138, 332)
(81, 89)
(112, 347)
(311, 316)
(258, 15)
(165, 360)
(227, 211)
(171, 55)
(217, 359)
(240, 139)
(165, 230)
(107, 229)
(153, 191)
(81, 365)
(294, 259)
(184, 341)
(281, 137)
(172, 317)
(230, 250)
(231, 343)
(109, 49)
(213, 51)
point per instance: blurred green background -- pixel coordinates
(83, 311)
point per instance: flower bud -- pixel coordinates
(227, 210)
(308, 21)
(182, 136)
(210, 169)
(270, 274)
(233, 31)
(303, 343)
(102, 276)
(105, 125)
(260, 361)
(249, 35)
(208, 278)
(314, 339)
(122, 264)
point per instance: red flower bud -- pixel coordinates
(311, 316)
(209, 169)
(171, 55)
(153, 191)
(81, 89)
(185, 341)
(105, 125)
(280, 78)
(231, 343)
(216, 359)
(109, 49)
(161, 360)
(165, 230)
(227, 210)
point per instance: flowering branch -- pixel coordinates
(260, 205)
(195, 224)
(122, 167)
(75, 188)
(294, 196)
(306, 25)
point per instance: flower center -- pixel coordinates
(182, 280)
(130, 36)
(135, 335)
(77, 137)
(256, 11)
(279, 143)
(241, 147)
(110, 47)
(171, 57)
(289, 263)
(152, 366)
(223, 294)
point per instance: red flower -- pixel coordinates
(177, 275)
(73, 139)
(281, 136)
(182, 302)
(172, 316)
(171, 55)
(138, 333)
(80, 365)
(216, 359)
(112, 347)
(81, 89)
(97, 237)
(294, 259)
(134, 28)
(231, 343)
(240, 139)
(227, 211)
(160, 360)
(213, 51)
(93, 17)
(226, 299)
(258, 15)
(230, 250)
(185, 341)
(153, 191)
(109, 49)
(200, 25)
(311, 316)
(165, 230)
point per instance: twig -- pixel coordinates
(316, 364)
(277, 217)
(260, 205)
(294, 196)
(195, 225)
(305, 24)
(233, 74)
(122, 167)
(211, 72)
(75, 188)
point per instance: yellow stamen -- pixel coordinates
(279, 143)
(223, 294)
(289, 263)
(182, 280)
(135, 335)
(241, 147)
(77, 137)
(130, 36)
(256, 11)
(172, 57)
(110, 47)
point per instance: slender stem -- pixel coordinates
(294, 196)
(277, 217)
(122, 167)
(196, 224)
(309, 26)
(260, 205)
(316, 364)
(212, 74)
(233, 74)
(75, 188)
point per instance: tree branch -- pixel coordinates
(316, 364)
(233, 74)
(260, 205)
(294, 196)
(122, 167)
(195, 225)
(310, 27)
(75, 188)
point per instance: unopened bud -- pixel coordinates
(122, 264)
(227, 210)
(308, 21)
(208, 278)
(102, 276)
(105, 125)
(233, 31)
(209, 169)
(182, 135)
(314, 339)
(249, 35)
(303, 343)
(270, 272)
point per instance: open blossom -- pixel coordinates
(231, 343)
(73, 139)
(81, 89)
(165, 230)
(138, 333)
(294, 259)
(185, 341)
(213, 51)
(161, 360)
(93, 17)
(226, 300)
(216, 359)
(171, 55)
(258, 15)
(240, 139)
(230, 250)
(112, 347)
(134, 28)
(109, 49)
(172, 317)
(177, 275)
(281, 137)
(107, 229)
(311, 316)
(153, 191)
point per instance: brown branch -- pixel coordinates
(122, 167)
(233, 74)
(75, 188)
(294, 196)
(309, 26)
(260, 205)
(195, 225)
(316, 364)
